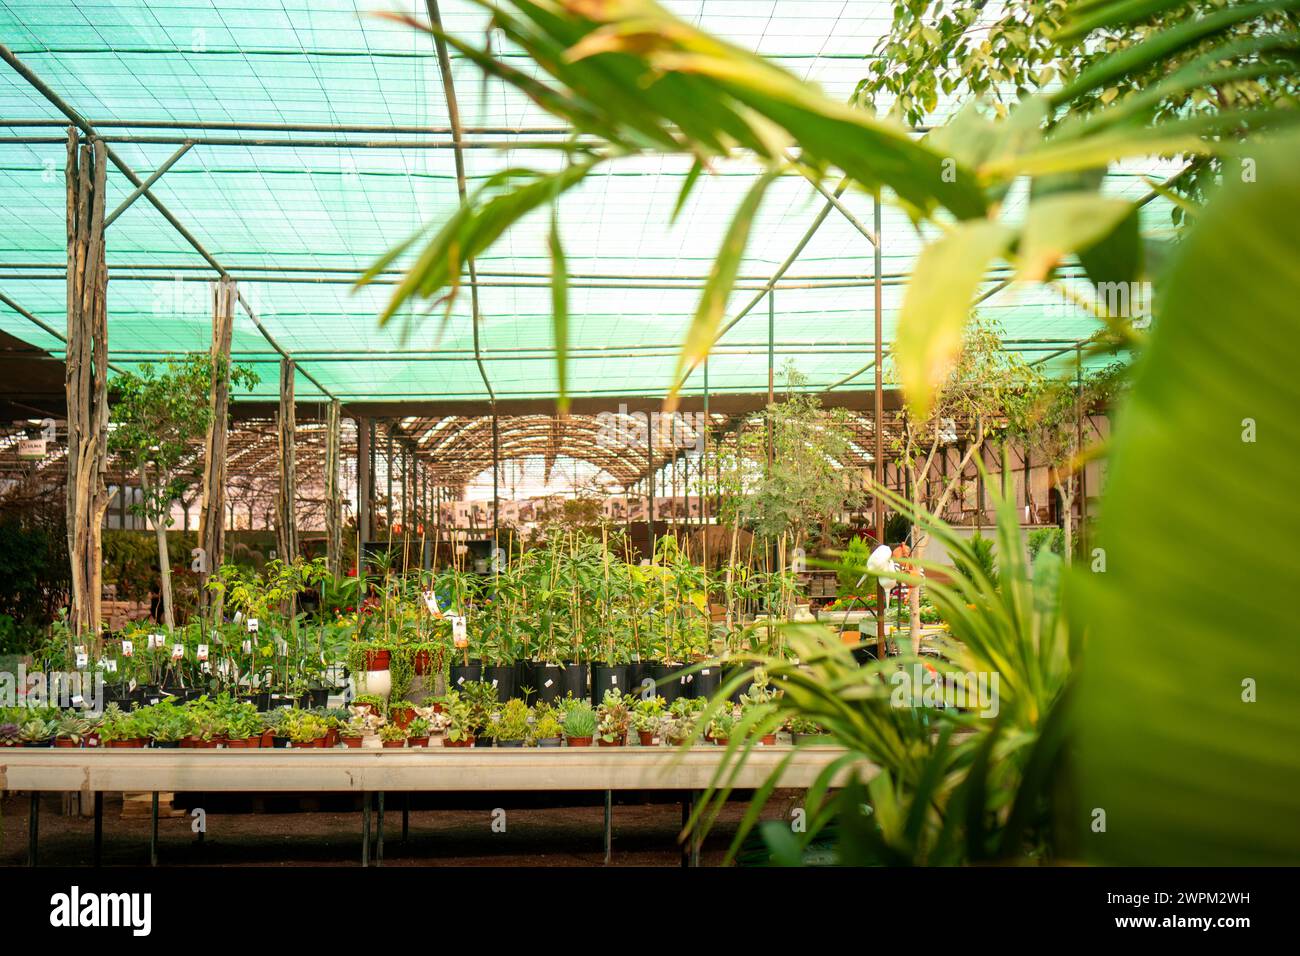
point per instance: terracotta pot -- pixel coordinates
(437, 707)
(648, 738)
(90, 740)
(187, 742)
(331, 738)
(378, 660)
(417, 741)
(422, 662)
(467, 742)
(267, 737)
(236, 744)
(134, 744)
(579, 741)
(721, 741)
(393, 744)
(402, 716)
(769, 740)
(353, 742)
(611, 743)
(204, 745)
(305, 744)
(65, 743)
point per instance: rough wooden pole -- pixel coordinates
(286, 527)
(212, 511)
(333, 497)
(364, 479)
(86, 380)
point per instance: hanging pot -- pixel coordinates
(378, 660)
(503, 677)
(606, 677)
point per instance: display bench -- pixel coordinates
(373, 773)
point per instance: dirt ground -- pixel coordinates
(283, 834)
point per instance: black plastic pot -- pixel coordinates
(606, 677)
(461, 674)
(504, 677)
(510, 743)
(667, 686)
(116, 694)
(146, 694)
(705, 682)
(166, 744)
(316, 697)
(279, 742)
(639, 677)
(481, 741)
(546, 680)
(550, 741)
(262, 701)
(575, 680)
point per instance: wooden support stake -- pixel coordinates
(212, 510)
(286, 528)
(333, 495)
(86, 380)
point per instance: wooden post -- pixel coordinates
(212, 511)
(86, 380)
(333, 497)
(364, 479)
(286, 527)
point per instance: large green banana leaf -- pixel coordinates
(1189, 710)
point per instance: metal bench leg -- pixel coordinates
(99, 827)
(687, 807)
(33, 827)
(365, 829)
(609, 824)
(153, 831)
(379, 832)
(406, 816)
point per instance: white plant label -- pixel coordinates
(281, 646)
(157, 640)
(111, 666)
(128, 649)
(705, 672)
(460, 680)
(613, 680)
(178, 651)
(252, 625)
(549, 683)
(202, 652)
(248, 647)
(82, 660)
(494, 684)
(79, 649)
(78, 701)
(459, 633)
(431, 602)
(239, 616)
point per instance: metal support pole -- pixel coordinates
(33, 827)
(363, 482)
(406, 816)
(144, 186)
(365, 829)
(379, 831)
(496, 470)
(878, 462)
(609, 824)
(97, 853)
(153, 829)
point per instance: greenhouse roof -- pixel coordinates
(321, 138)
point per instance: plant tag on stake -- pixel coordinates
(202, 653)
(459, 633)
(128, 650)
(83, 660)
(248, 647)
(178, 651)
(79, 649)
(157, 640)
(431, 602)
(252, 625)
(282, 647)
(111, 665)
(549, 682)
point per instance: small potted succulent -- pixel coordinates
(417, 733)
(459, 722)
(371, 702)
(648, 715)
(37, 732)
(72, 730)
(547, 731)
(167, 725)
(615, 717)
(759, 694)
(580, 724)
(720, 728)
(306, 730)
(392, 736)
(9, 736)
(509, 728)
(119, 728)
(353, 733)
(243, 727)
(806, 730)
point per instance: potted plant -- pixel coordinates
(166, 724)
(371, 702)
(547, 729)
(509, 728)
(306, 730)
(119, 728)
(805, 729)
(401, 712)
(760, 693)
(460, 722)
(648, 714)
(720, 728)
(37, 732)
(482, 700)
(579, 724)
(615, 717)
(243, 726)
(9, 736)
(353, 733)
(392, 736)
(417, 733)
(71, 730)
